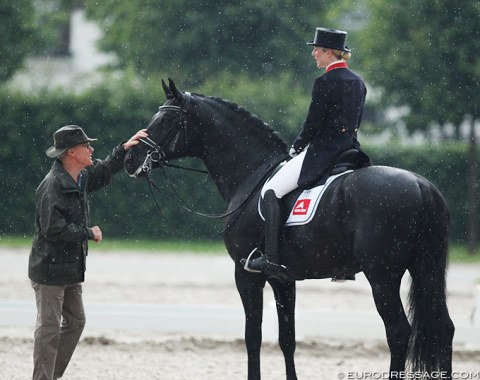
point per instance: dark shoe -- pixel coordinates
(257, 265)
(263, 265)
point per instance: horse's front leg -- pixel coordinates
(250, 287)
(285, 299)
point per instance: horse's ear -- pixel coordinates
(168, 93)
(173, 89)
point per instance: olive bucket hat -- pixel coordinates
(330, 39)
(65, 138)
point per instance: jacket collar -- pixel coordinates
(336, 65)
(65, 179)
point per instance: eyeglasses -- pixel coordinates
(86, 145)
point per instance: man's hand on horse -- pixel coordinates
(134, 140)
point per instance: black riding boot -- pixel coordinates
(269, 263)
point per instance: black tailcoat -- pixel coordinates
(333, 118)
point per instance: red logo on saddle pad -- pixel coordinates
(301, 207)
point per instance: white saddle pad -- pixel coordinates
(304, 209)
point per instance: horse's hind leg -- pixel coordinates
(386, 294)
(250, 287)
(285, 299)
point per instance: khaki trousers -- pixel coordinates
(60, 322)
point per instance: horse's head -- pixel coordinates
(167, 135)
(226, 137)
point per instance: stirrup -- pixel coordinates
(246, 265)
(281, 272)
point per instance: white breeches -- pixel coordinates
(286, 179)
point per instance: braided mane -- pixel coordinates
(253, 125)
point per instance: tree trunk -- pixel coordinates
(472, 191)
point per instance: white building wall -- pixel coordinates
(76, 71)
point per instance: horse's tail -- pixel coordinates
(430, 346)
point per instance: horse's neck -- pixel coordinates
(236, 146)
(229, 171)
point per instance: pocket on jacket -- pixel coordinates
(64, 269)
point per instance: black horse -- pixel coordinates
(379, 220)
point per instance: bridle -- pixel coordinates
(156, 153)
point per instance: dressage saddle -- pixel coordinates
(350, 159)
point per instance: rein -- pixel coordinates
(186, 207)
(185, 168)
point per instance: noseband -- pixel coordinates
(157, 151)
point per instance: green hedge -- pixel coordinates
(112, 114)
(126, 209)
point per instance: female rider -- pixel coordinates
(330, 128)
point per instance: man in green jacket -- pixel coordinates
(60, 244)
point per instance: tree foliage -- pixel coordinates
(198, 39)
(29, 28)
(423, 54)
(52, 20)
(17, 34)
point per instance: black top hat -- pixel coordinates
(65, 138)
(330, 39)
